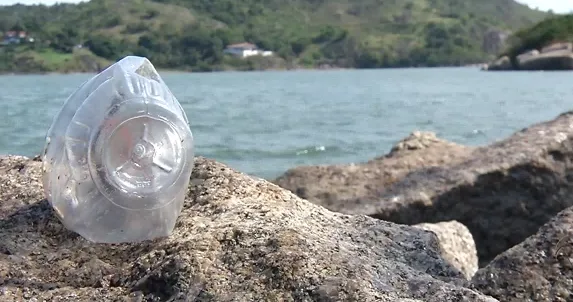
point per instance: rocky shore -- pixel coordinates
(506, 194)
(502, 192)
(430, 221)
(557, 56)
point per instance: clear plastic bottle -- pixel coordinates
(119, 155)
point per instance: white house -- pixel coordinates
(244, 50)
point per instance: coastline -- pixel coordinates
(167, 70)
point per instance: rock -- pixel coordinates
(456, 245)
(501, 64)
(20, 183)
(419, 140)
(556, 56)
(557, 47)
(538, 269)
(332, 186)
(237, 239)
(526, 55)
(553, 60)
(502, 192)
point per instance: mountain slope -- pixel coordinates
(191, 34)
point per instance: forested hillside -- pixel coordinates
(191, 34)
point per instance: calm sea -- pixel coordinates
(264, 123)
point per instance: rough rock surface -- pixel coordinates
(456, 244)
(330, 185)
(536, 269)
(238, 239)
(554, 60)
(502, 192)
(556, 56)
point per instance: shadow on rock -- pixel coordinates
(500, 208)
(538, 269)
(39, 218)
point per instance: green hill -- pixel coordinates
(191, 35)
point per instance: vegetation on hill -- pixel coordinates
(191, 34)
(551, 30)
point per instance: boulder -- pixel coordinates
(556, 56)
(501, 64)
(502, 192)
(526, 56)
(332, 186)
(538, 269)
(557, 47)
(238, 239)
(554, 59)
(457, 245)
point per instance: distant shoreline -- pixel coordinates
(479, 65)
(182, 71)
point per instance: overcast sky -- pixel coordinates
(559, 6)
(47, 2)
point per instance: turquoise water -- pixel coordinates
(263, 123)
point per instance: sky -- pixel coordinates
(558, 6)
(47, 2)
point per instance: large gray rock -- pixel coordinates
(501, 64)
(502, 192)
(334, 187)
(559, 46)
(556, 56)
(238, 239)
(538, 269)
(553, 60)
(526, 56)
(456, 245)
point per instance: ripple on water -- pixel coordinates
(264, 123)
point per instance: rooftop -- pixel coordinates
(243, 45)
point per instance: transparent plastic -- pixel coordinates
(119, 155)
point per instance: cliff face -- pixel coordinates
(494, 41)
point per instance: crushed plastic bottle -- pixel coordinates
(119, 155)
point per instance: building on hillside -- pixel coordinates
(245, 49)
(15, 37)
